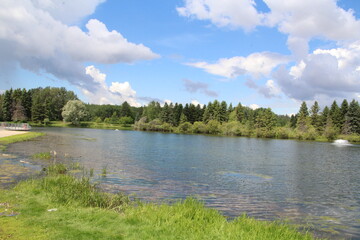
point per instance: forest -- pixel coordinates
(44, 105)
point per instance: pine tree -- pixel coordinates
(315, 118)
(302, 121)
(335, 115)
(7, 105)
(223, 112)
(353, 117)
(343, 112)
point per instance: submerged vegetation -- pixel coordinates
(61, 206)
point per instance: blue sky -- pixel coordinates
(266, 53)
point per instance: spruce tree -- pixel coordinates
(7, 105)
(353, 117)
(315, 118)
(302, 121)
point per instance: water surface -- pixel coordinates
(308, 183)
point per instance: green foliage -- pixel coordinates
(4, 141)
(74, 111)
(42, 156)
(199, 127)
(126, 120)
(185, 127)
(213, 127)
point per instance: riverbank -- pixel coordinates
(60, 206)
(8, 137)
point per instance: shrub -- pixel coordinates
(199, 127)
(213, 127)
(185, 127)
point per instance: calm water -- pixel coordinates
(317, 184)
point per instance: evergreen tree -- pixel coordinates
(302, 120)
(315, 118)
(240, 113)
(343, 112)
(223, 112)
(125, 110)
(335, 115)
(7, 105)
(1, 107)
(165, 115)
(353, 117)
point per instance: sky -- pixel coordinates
(261, 53)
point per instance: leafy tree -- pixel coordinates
(126, 120)
(19, 112)
(74, 111)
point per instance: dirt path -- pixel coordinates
(7, 133)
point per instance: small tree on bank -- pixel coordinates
(74, 111)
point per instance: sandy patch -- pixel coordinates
(7, 133)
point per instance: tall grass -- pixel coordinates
(4, 141)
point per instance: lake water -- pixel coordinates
(307, 183)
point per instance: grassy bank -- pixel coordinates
(60, 206)
(4, 141)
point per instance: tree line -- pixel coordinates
(220, 118)
(47, 104)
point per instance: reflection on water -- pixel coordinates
(317, 184)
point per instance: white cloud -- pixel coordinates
(196, 102)
(122, 88)
(68, 11)
(256, 65)
(41, 41)
(307, 19)
(225, 13)
(331, 73)
(117, 93)
(254, 106)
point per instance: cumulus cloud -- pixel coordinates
(196, 102)
(225, 13)
(254, 106)
(330, 72)
(117, 93)
(34, 34)
(256, 65)
(193, 87)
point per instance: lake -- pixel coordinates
(308, 183)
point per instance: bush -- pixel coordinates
(126, 120)
(185, 127)
(199, 127)
(233, 128)
(213, 127)
(282, 133)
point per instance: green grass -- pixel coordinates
(81, 211)
(4, 141)
(42, 156)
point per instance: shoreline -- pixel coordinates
(8, 133)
